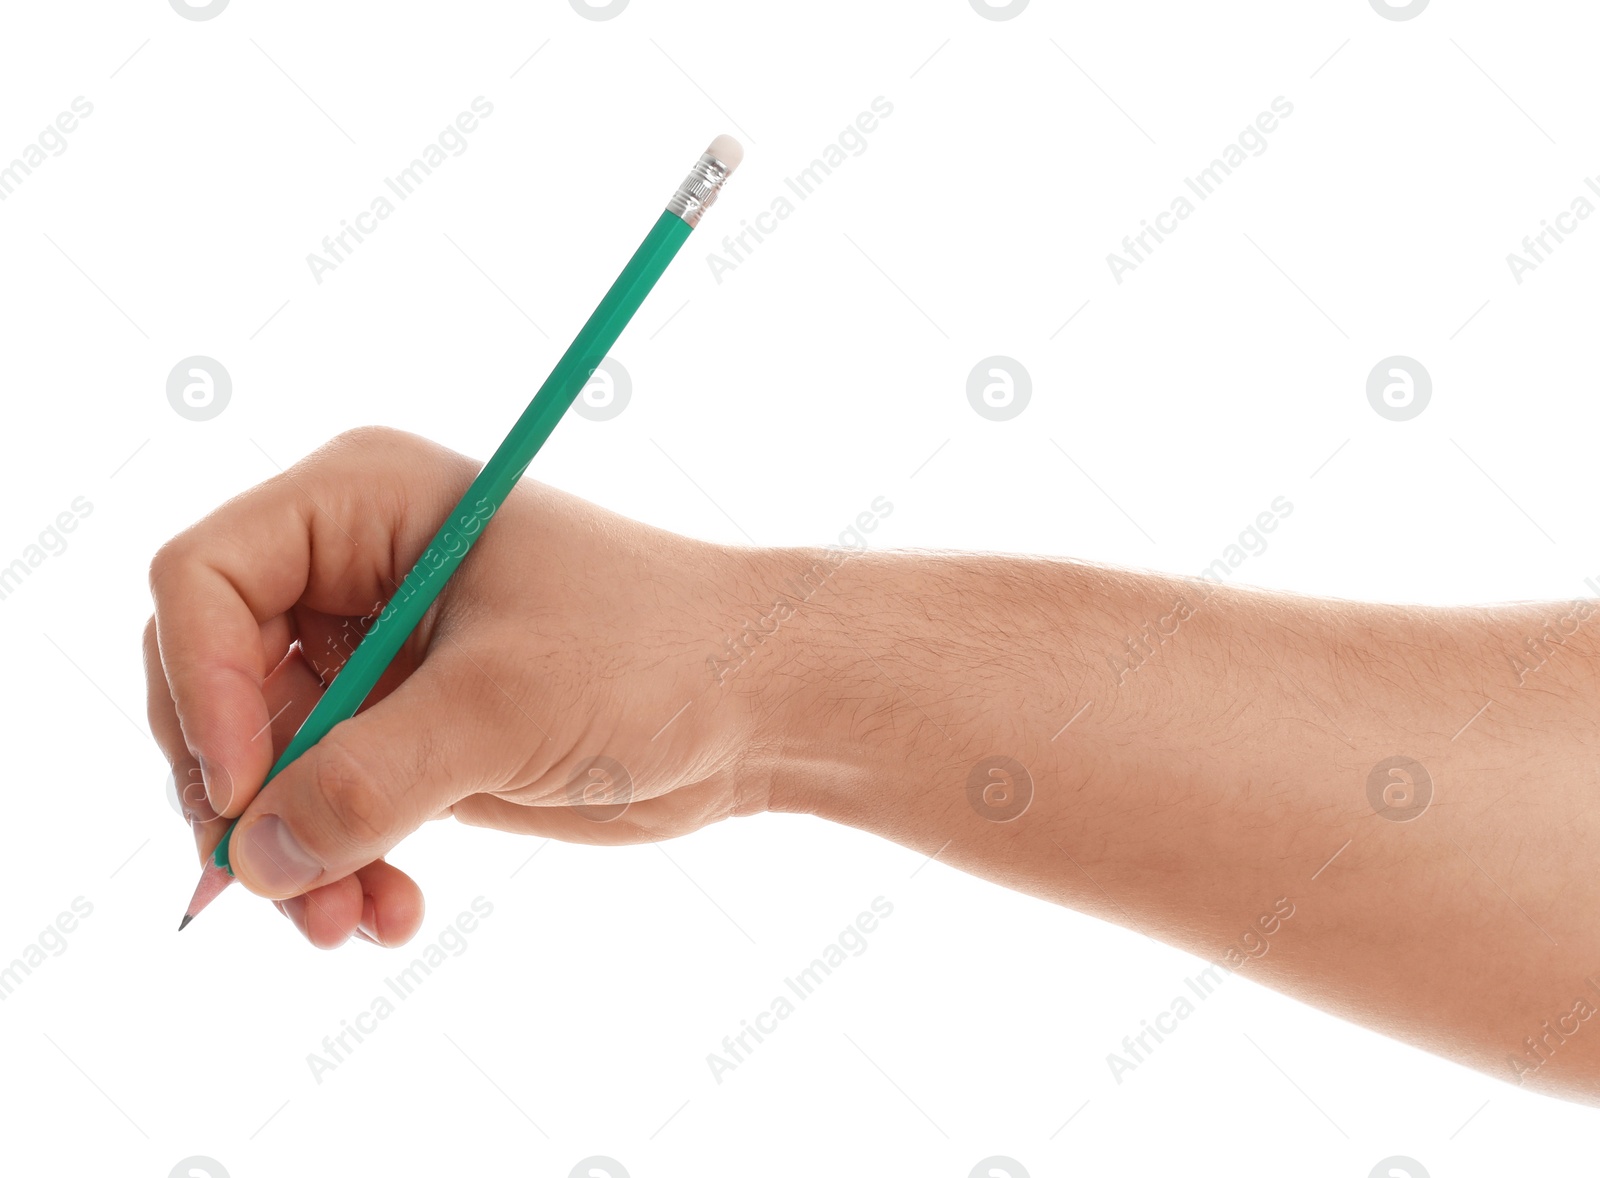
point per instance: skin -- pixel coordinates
(1196, 793)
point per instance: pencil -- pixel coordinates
(466, 523)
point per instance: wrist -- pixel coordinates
(789, 659)
(895, 679)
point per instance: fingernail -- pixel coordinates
(218, 783)
(198, 809)
(273, 858)
(368, 927)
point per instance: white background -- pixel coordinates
(826, 370)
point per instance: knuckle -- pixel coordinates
(167, 560)
(366, 444)
(367, 438)
(368, 434)
(354, 798)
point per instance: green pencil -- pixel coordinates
(500, 474)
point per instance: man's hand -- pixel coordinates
(559, 687)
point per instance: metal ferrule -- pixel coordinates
(699, 189)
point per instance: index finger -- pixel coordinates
(326, 532)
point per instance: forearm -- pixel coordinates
(1199, 760)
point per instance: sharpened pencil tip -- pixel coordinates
(213, 881)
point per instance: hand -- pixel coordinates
(559, 686)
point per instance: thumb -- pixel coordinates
(370, 782)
